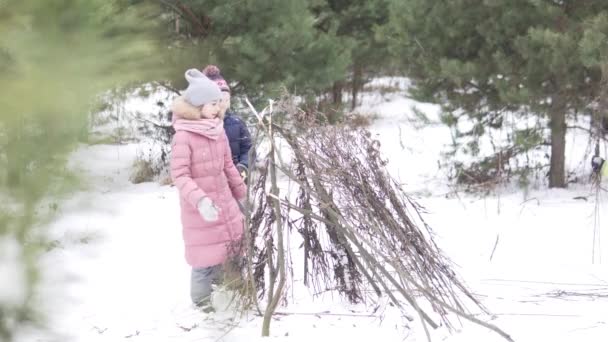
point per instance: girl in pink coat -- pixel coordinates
(210, 187)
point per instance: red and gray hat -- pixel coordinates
(213, 73)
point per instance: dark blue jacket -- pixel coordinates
(239, 138)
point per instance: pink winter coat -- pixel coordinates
(201, 167)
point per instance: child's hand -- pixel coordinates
(209, 212)
(597, 163)
(243, 171)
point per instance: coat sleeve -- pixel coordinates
(235, 181)
(244, 144)
(181, 163)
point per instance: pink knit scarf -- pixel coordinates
(210, 128)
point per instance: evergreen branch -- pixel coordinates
(591, 133)
(155, 124)
(168, 87)
(187, 14)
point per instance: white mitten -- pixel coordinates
(209, 212)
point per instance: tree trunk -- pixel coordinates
(15, 164)
(357, 75)
(557, 172)
(336, 92)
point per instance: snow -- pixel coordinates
(118, 271)
(120, 117)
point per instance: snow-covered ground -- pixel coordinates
(118, 274)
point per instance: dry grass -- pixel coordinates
(165, 180)
(361, 120)
(142, 171)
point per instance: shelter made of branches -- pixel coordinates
(359, 228)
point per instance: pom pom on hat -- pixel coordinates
(214, 74)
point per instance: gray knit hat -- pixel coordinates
(201, 90)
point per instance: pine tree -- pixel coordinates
(263, 44)
(485, 58)
(56, 56)
(354, 24)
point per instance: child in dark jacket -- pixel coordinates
(236, 130)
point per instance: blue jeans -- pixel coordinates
(201, 280)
